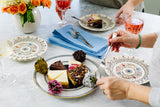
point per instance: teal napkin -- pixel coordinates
(62, 37)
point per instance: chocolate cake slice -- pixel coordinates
(57, 66)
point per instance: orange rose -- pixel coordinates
(22, 8)
(36, 2)
(43, 2)
(12, 10)
(48, 3)
(4, 9)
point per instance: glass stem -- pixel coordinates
(1, 70)
(63, 17)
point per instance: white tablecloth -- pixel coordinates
(24, 93)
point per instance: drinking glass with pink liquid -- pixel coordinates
(134, 25)
(61, 8)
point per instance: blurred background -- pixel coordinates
(152, 6)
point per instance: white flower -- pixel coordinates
(25, 1)
(7, 3)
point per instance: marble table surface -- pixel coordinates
(24, 93)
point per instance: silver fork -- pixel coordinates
(77, 33)
(77, 37)
(101, 69)
(79, 19)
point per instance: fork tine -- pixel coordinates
(74, 29)
(71, 32)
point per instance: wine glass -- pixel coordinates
(61, 8)
(5, 78)
(133, 25)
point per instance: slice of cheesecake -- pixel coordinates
(95, 21)
(73, 64)
(60, 76)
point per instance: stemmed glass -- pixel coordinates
(61, 8)
(133, 25)
(5, 78)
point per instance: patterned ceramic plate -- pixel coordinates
(27, 48)
(108, 23)
(41, 80)
(129, 68)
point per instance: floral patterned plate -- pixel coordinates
(27, 48)
(108, 23)
(128, 68)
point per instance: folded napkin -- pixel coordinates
(62, 37)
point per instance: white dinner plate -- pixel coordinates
(41, 80)
(108, 23)
(25, 48)
(128, 68)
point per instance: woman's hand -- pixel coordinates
(126, 11)
(123, 39)
(114, 88)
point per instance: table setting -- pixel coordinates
(56, 63)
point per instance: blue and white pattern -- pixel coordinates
(129, 68)
(27, 48)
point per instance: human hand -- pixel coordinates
(123, 39)
(126, 11)
(114, 88)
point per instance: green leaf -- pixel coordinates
(93, 79)
(30, 6)
(30, 16)
(22, 19)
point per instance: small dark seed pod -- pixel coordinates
(79, 55)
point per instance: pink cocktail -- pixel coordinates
(61, 8)
(134, 25)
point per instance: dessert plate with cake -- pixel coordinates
(68, 73)
(97, 22)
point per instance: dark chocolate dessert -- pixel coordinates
(57, 66)
(79, 55)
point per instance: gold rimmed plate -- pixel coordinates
(42, 83)
(107, 24)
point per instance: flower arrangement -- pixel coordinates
(23, 8)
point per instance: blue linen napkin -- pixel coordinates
(62, 37)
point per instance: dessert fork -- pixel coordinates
(101, 68)
(79, 19)
(76, 37)
(77, 33)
